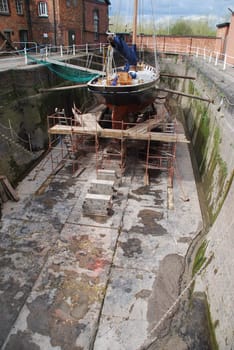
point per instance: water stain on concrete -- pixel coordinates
(22, 341)
(87, 253)
(38, 319)
(59, 316)
(11, 302)
(147, 190)
(165, 289)
(150, 226)
(143, 294)
(132, 247)
(55, 321)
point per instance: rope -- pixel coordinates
(170, 310)
(16, 144)
(13, 132)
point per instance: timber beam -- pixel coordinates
(177, 76)
(186, 95)
(117, 133)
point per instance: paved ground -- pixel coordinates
(69, 282)
(223, 79)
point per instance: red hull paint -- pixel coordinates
(120, 113)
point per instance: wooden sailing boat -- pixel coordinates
(127, 89)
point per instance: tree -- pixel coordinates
(181, 27)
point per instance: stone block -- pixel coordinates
(106, 174)
(97, 204)
(105, 187)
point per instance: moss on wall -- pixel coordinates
(214, 174)
(202, 133)
(212, 325)
(200, 257)
(26, 110)
(206, 137)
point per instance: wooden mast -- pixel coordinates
(134, 33)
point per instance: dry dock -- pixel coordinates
(69, 281)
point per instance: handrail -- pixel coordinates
(26, 44)
(43, 51)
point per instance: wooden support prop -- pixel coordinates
(69, 87)
(9, 190)
(177, 76)
(186, 95)
(3, 44)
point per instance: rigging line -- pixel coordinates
(141, 21)
(154, 36)
(117, 17)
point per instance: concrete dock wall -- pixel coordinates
(210, 128)
(23, 116)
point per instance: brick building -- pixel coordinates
(55, 22)
(226, 31)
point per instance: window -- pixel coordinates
(42, 9)
(96, 24)
(70, 3)
(4, 8)
(19, 7)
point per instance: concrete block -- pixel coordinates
(106, 174)
(97, 204)
(105, 187)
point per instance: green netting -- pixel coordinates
(67, 73)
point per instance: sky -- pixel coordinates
(215, 11)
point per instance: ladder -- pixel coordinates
(67, 139)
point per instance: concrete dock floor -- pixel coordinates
(68, 281)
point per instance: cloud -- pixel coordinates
(215, 9)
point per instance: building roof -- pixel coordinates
(221, 25)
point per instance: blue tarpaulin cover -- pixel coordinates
(129, 52)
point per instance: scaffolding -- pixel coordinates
(83, 133)
(162, 156)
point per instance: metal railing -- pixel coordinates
(209, 55)
(43, 51)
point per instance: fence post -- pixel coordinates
(25, 56)
(87, 49)
(216, 58)
(210, 58)
(61, 50)
(74, 49)
(225, 61)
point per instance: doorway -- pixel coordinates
(23, 38)
(71, 37)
